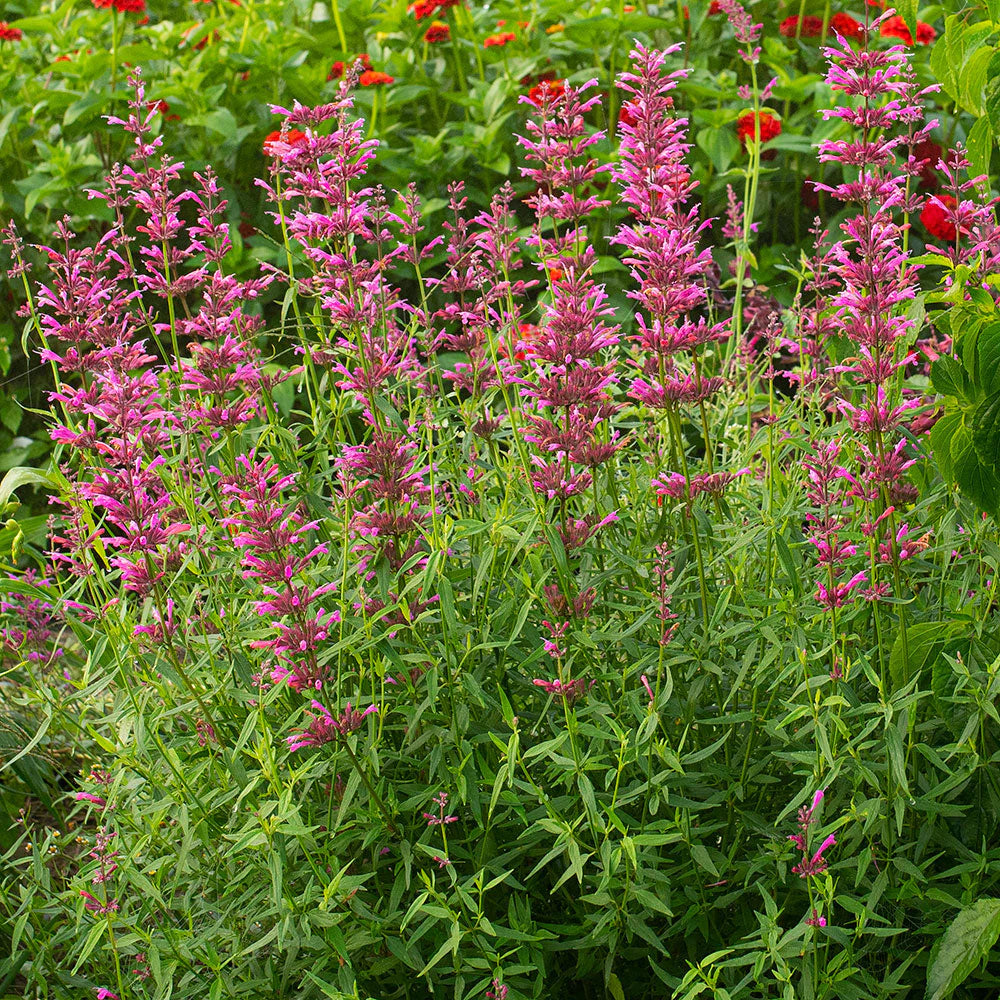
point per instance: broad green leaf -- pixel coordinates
(949, 378)
(907, 9)
(966, 942)
(980, 147)
(720, 145)
(986, 430)
(941, 434)
(23, 476)
(921, 646)
(991, 97)
(975, 479)
(987, 371)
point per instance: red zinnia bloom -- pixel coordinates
(425, 8)
(846, 26)
(770, 127)
(293, 137)
(9, 34)
(935, 218)
(896, 27)
(375, 78)
(122, 6)
(500, 38)
(811, 27)
(556, 88)
(439, 31)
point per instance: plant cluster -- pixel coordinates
(524, 605)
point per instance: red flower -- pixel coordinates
(808, 195)
(500, 38)
(770, 127)
(9, 34)
(896, 27)
(713, 8)
(338, 69)
(846, 26)
(375, 78)
(935, 218)
(554, 88)
(425, 8)
(201, 43)
(439, 31)
(293, 137)
(122, 6)
(932, 153)
(811, 27)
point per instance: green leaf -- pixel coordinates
(720, 145)
(907, 9)
(943, 69)
(922, 644)
(972, 80)
(23, 476)
(975, 479)
(949, 378)
(979, 147)
(987, 371)
(986, 430)
(966, 942)
(991, 96)
(220, 121)
(703, 859)
(941, 434)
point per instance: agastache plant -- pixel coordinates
(876, 278)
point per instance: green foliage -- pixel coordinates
(967, 941)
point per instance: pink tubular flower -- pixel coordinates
(569, 691)
(815, 865)
(837, 595)
(95, 905)
(87, 797)
(325, 728)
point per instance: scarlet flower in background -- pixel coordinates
(122, 6)
(770, 127)
(439, 31)
(846, 26)
(895, 27)
(811, 27)
(375, 78)
(293, 137)
(935, 219)
(500, 38)
(9, 34)
(930, 152)
(556, 89)
(339, 68)
(164, 110)
(427, 8)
